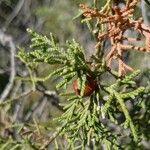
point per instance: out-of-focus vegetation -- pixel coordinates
(27, 113)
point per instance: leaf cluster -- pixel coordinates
(70, 58)
(86, 120)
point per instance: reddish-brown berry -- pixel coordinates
(90, 86)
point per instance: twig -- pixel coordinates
(46, 144)
(51, 95)
(16, 98)
(8, 41)
(13, 14)
(35, 107)
(17, 113)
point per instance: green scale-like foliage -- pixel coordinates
(71, 58)
(84, 117)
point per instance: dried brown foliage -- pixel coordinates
(117, 22)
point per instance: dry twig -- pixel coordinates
(8, 41)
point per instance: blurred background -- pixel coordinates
(43, 16)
